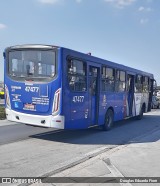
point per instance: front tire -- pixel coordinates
(108, 123)
(140, 116)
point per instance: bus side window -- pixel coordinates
(120, 84)
(128, 83)
(145, 84)
(77, 75)
(138, 84)
(108, 77)
(150, 85)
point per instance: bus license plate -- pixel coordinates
(29, 106)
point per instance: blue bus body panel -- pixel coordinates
(112, 100)
(24, 98)
(78, 115)
(78, 108)
(75, 111)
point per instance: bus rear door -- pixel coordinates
(130, 96)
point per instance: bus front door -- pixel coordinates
(94, 73)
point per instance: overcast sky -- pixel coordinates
(123, 31)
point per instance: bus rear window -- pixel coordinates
(37, 65)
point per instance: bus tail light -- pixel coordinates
(56, 102)
(8, 103)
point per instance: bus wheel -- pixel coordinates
(108, 123)
(140, 116)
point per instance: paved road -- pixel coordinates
(12, 131)
(44, 153)
(136, 162)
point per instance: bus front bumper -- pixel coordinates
(37, 120)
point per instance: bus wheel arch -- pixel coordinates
(108, 120)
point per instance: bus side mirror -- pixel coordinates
(4, 55)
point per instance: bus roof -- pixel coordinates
(84, 56)
(94, 59)
(34, 46)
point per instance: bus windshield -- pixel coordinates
(32, 64)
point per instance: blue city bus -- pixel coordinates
(52, 86)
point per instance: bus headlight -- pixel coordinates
(56, 102)
(8, 103)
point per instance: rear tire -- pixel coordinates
(108, 123)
